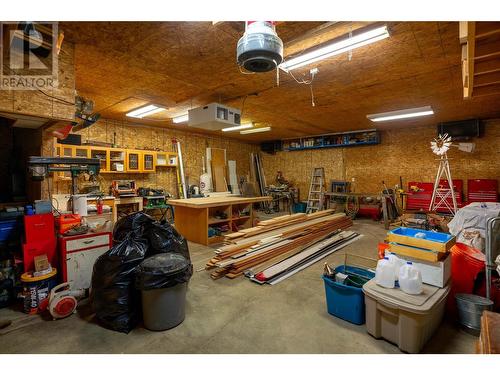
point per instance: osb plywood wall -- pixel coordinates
(403, 152)
(53, 103)
(130, 135)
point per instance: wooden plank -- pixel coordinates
(295, 227)
(280, 267)
(487, 29)
(281, 219)
(487, 79)
(487, 90)
(470, 57)
(486, 67)
(218, 162)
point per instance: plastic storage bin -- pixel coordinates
(345, 301)
(408, 321)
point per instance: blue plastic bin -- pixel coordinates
(345, 301)
(299, 207)
(429, 235)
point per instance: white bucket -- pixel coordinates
(80, 204)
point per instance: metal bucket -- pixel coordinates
(470, 309)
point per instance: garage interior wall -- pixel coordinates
(131, 135)
(402, 152)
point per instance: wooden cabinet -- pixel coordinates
(102, 154)
(148, 159)
(78, 255)
(81, 152)
(118, 160)
(166, 159)
(133, 161)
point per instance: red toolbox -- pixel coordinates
(482, 190)
(39, 227)
(419, 200)
(32, 249)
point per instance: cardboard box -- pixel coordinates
(433, 273)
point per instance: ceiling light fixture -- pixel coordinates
(179, 119)
(240, 127)
(256, 130)
(402, 114)
(336, 48)
(145, 111)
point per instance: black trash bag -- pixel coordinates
(136, 224)
(163, 238)
(115, 300)
(163, 271)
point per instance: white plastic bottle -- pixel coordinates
(384, 274)
(397, 263)
(410, 279)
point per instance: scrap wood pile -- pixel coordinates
(281, 246)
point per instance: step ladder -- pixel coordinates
(315, 199)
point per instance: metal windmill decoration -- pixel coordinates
(441, 195)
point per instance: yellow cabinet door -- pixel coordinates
(81, 152)
(148, 161)
(117, 160)
(102, 154)
(133, 161)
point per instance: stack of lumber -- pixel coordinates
(275, 223)
(276, 240)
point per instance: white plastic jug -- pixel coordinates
(384, 274)
(397, 263)
(410, 279)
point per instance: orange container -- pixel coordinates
(67, 221)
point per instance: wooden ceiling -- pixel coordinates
(181, 65)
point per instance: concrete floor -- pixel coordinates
(230, 316)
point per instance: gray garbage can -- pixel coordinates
(163, 281)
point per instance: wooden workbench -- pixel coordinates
(194, 216)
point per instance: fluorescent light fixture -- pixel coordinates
(179, 119)
(145, 111)
(336, 48)
(240, 127)
(402, 114)
(256, 130)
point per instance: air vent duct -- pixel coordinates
(259, 49)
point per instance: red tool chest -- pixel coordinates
(35, 248)
(422, 199)
(419, 200)
(40, 239)
(38, 227)
(78, 255)
(482, 190)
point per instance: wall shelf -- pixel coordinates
(344, 139)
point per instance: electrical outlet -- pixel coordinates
(314, 71)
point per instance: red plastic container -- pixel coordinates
(466, 264)
(39, 227)
(32, 249)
